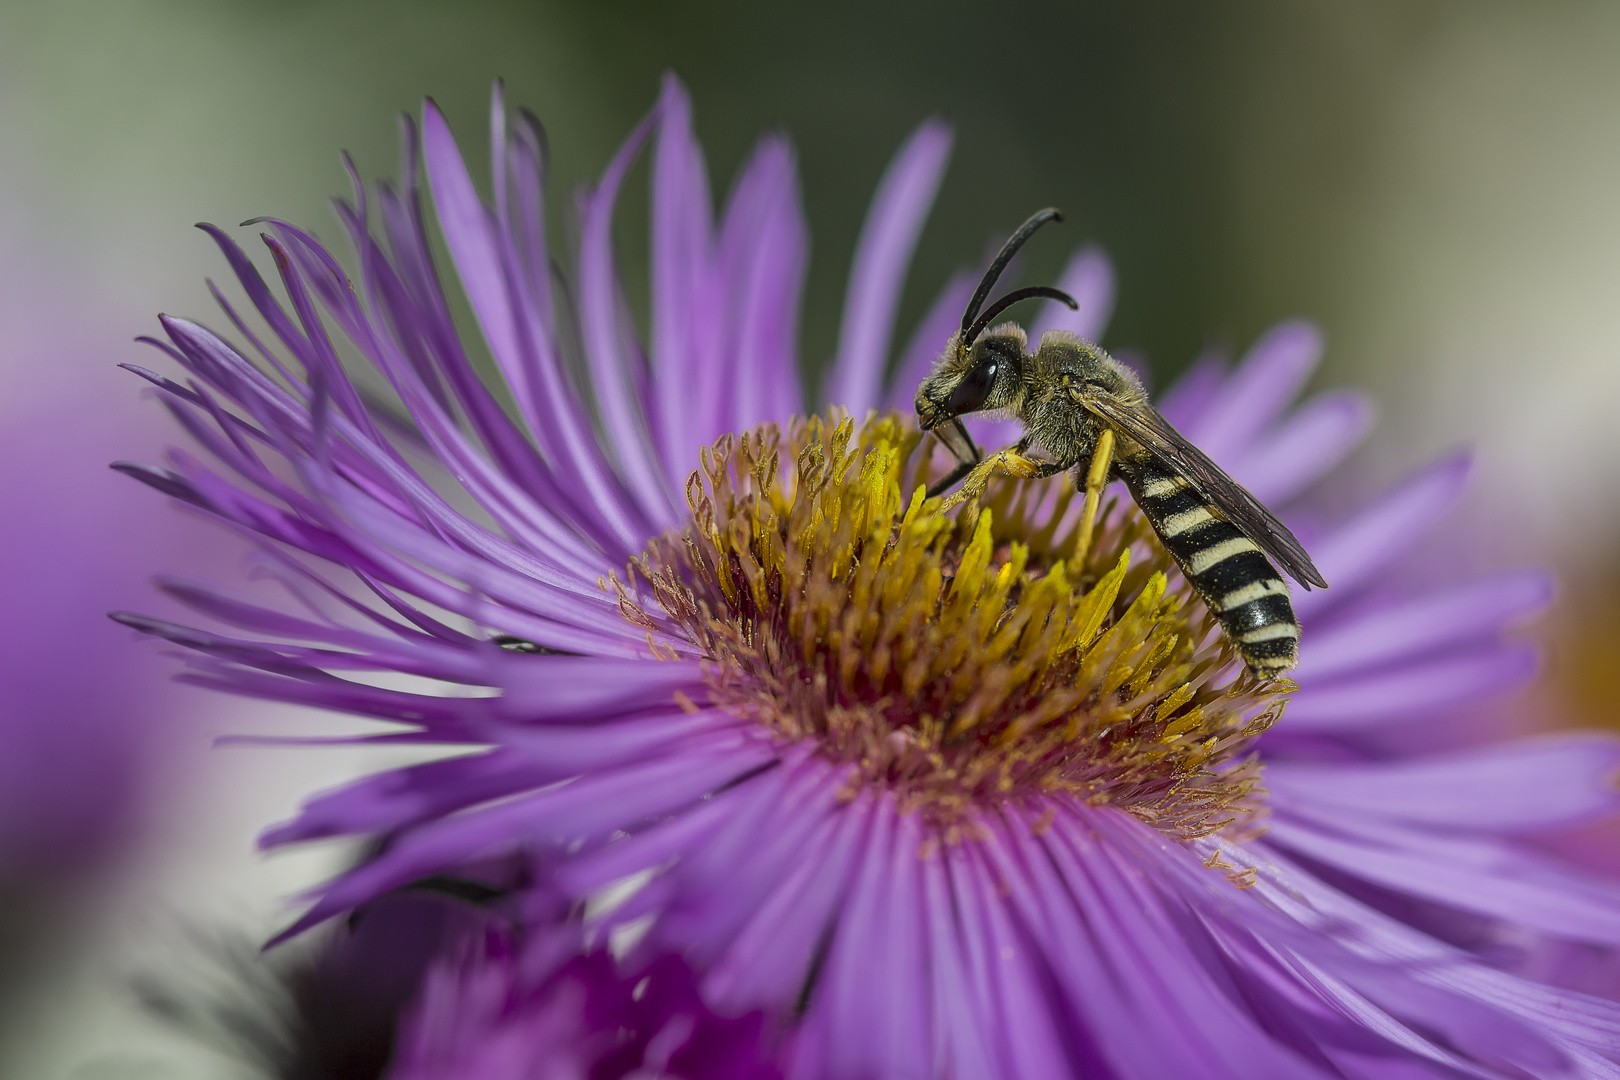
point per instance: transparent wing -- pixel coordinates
(1144, 424)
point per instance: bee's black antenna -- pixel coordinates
(1003, 257)
(1033, 292)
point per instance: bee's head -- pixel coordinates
(986, 375)
(980, 370)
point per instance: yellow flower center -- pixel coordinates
(953, 656)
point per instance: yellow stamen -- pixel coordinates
(944, 648)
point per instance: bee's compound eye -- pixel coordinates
(970, 393)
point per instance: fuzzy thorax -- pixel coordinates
(952, 656)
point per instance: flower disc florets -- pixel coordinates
(951, 654)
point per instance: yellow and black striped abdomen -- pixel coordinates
(1238, 583)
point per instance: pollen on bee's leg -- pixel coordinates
(946, 650)
(1008, 462)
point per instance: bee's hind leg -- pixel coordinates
(1102, 458)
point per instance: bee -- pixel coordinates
(1067, 394)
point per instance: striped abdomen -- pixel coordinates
(1236, 580)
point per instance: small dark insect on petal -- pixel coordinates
(519, 645)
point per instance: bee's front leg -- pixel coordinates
(1009, 462)
(954, 435)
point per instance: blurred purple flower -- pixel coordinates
(86, 724)
(496, 1011)
(762, 757)
(83, 719)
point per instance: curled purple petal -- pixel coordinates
(763, 253)
(893, 224)
(1089, 279)
(681, 262)
(615, 359)
(926, 343)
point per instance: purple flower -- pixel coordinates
(921, 785)
(85, 727)
(75, 752)
(499, 1010)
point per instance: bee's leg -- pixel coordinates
(952, 478)
(1008, 462)
(1102, 458)
(1041, 469)
(957, 440)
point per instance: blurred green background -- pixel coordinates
(1225, 155)
(1434, 181)
(1430, 179)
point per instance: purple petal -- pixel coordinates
(559, 689)
(400, 797)
(741, 863)
(614, 360)
(468, 232)
(523, 212)
(1362, 546)
(1307, 444)
(681, 256)
(1523, 786)
(961, 1001)
(589, 808)
(1388, 954)
(577, 750)
(1473, 875)
(887, 240)
(992, 435)
(1404, 992)
(1573, 1018)
(1032, 1043)
(1090, 280)
(515, 467)
(1156, 1012)
(1416, 690)
(870, 1006)
(1413, 626)
(769, 958)
(928, 341)
(263, 300)
(402, 650)
(662, 845)
(1186, 401)
(1261, 387)
(764, 249)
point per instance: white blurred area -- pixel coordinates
(194, 879)
(1440, 184)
